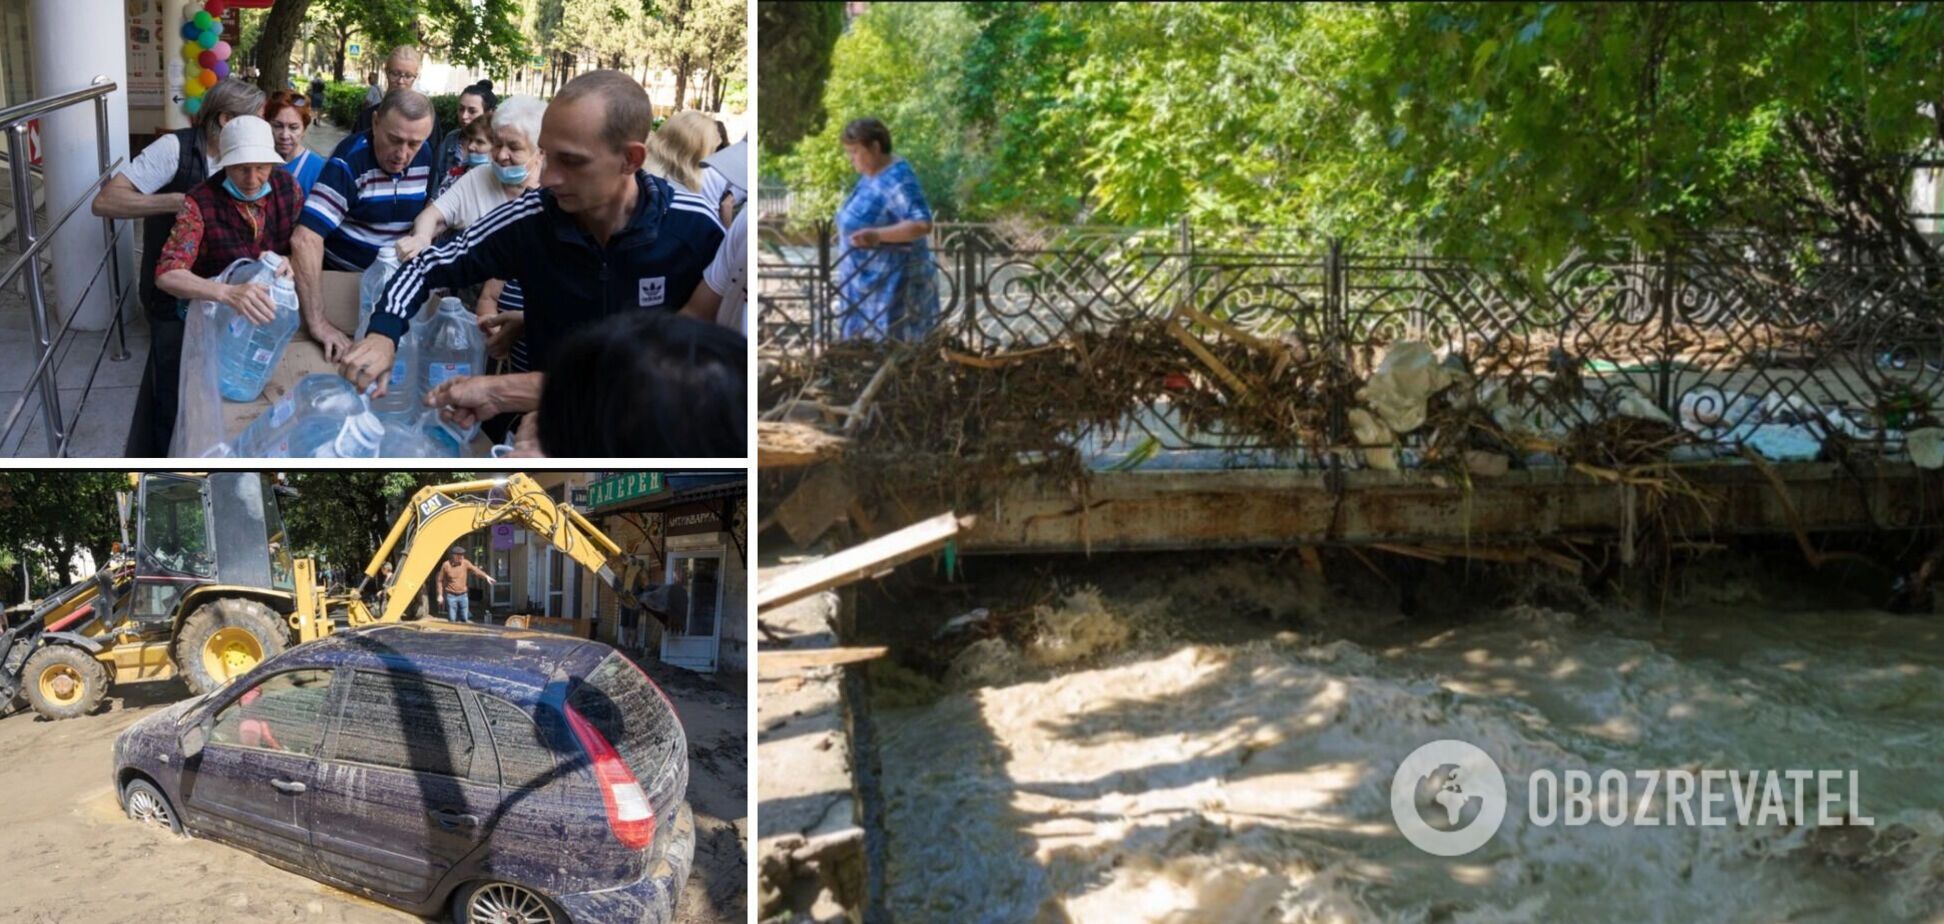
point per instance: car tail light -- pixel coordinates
(628, 813)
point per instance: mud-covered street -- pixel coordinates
(1211, 738)
(75, 859)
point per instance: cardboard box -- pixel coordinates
(205, 421)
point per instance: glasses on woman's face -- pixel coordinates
(401, 76)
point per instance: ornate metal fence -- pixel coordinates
(1721, 345)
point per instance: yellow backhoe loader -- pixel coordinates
(208, 589)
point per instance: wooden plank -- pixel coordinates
(772, 663)
(861, 561)
(788, 444)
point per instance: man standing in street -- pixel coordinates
(452, 585)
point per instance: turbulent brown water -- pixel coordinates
(1222, 769)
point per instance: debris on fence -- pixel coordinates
(934, 419)
(785, 444)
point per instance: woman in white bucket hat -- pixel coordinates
(247, 209)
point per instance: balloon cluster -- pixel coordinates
(205, 52)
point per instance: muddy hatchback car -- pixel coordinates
(508, 775)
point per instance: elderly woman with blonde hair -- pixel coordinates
(513, 170)
(676, 149)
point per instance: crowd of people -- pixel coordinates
(605, 257)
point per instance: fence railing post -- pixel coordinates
(17, 164)
(967, 269)
(823, 291)
(1336, 333)
(1666, 279)
(116, 294)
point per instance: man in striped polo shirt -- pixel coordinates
(363, 200)
(601, 236)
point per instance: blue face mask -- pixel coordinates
(230, 187)
(474, 159)
(510, 175)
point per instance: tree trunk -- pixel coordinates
(337, 62)
(63, 564)
(681, 79)
(273, 47)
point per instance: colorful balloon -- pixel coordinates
(222, 50)
(191, 105)
(189, 31)
(208, 78)
(192, 88)
(208, 39)
(204, 22)
(214, 7)
(207, 59)
(222, 70)
(190, 50)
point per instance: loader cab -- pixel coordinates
(218, 528)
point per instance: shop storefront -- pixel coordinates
(688, 531)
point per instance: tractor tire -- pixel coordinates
(64, 682)
(224, 638)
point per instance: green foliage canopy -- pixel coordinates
(342, 517)
(794, 57)
(1517, 129)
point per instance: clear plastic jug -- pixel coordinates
(247, 353)
(323, 417)
(418, 435)
(405, 386)
(371, 286)
(452, 345)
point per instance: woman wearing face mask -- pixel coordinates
(249, 207)
(475, 150)
(475, 103)
(515, 168)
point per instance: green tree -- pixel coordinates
(46, 517)
(470, 33)
(900, 63)
(343, 516)
(1518, 131)
(272, 46)
(794, 55)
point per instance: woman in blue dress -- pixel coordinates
(884, 272)
(289, 115)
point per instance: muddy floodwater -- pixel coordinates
(1216, 743)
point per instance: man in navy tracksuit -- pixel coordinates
(599, 237)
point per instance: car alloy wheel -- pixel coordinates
(144, 807)
(506, 903)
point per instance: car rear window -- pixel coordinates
(621, 704)
(525, 759)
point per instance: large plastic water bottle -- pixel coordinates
(418, 435)
(323, 417)
(452, 345)
(405, 386)
(247, 353)
(371, 286)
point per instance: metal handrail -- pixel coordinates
(35, 108)
(44, 382)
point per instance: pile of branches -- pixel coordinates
(999, 413)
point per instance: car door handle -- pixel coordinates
(452, 819)
(289, 786)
